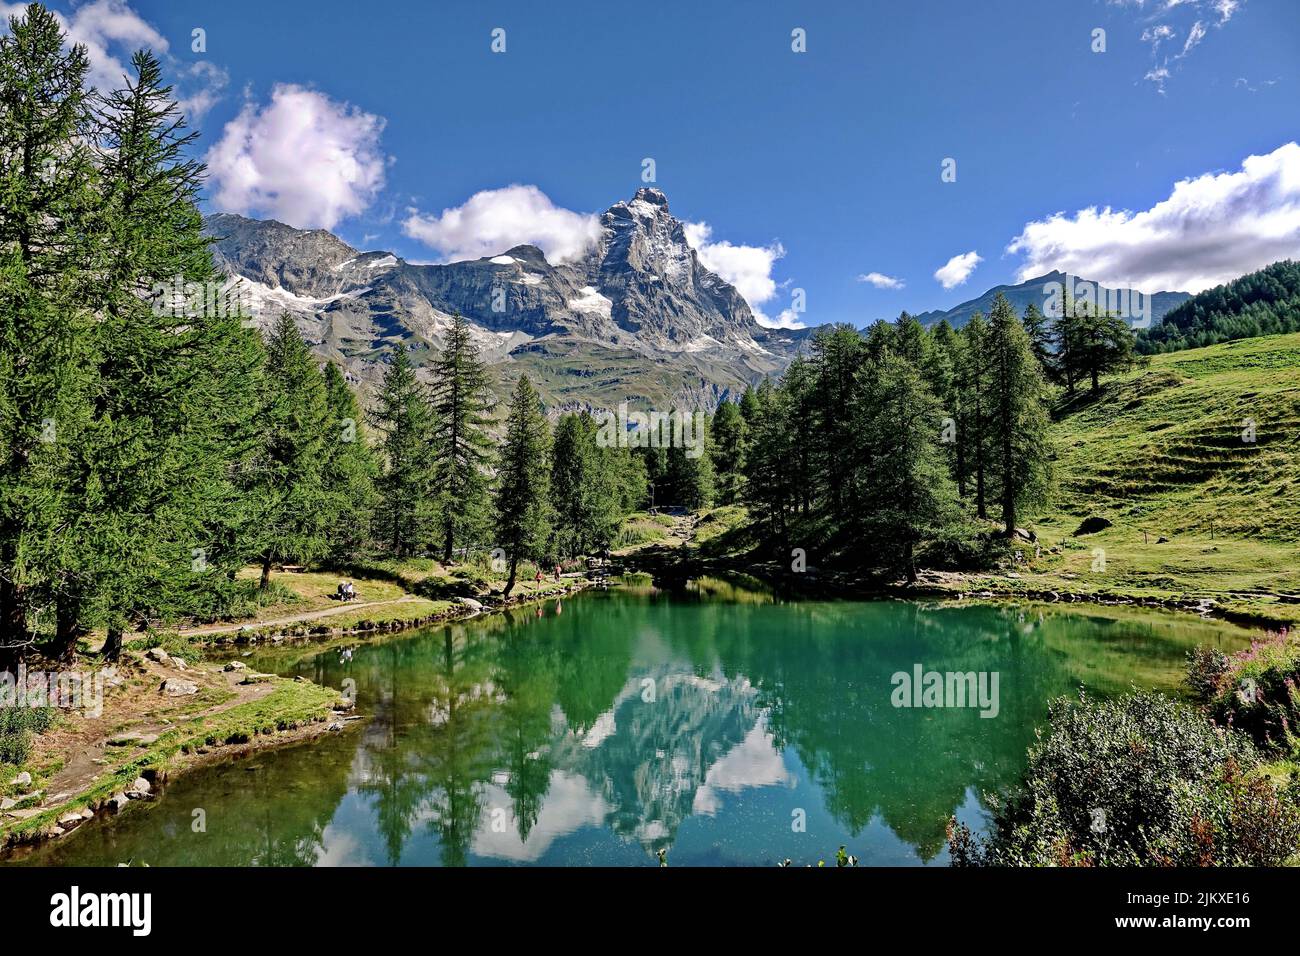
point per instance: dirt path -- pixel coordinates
(139, 716)
(294, 619)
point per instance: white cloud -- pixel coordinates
(1194, 36)
(111, 31)
(748, 268)
(881, 281)
(494, 220)
(1211, 229)
(303, 158)
(957, 269)
(1195, 16)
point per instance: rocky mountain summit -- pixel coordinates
(637, 318)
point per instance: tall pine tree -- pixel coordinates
(462, 448)
(405, 420)
(523, 509)
(287, 475)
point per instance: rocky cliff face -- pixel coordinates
(637, 318)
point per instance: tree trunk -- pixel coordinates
(510, 581)
(980, 510)
(909, 560)
(112, 644)
(446, 545)
(266, 573)
(67, 629)
(14, 636)
(1096, 384)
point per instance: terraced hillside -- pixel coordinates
(1202, 441)
(1198, 512)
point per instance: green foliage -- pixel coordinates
(349, 471)
(1017, 416)
(729, 439)
(588, 487)
(286, 475)
(405, 420)
(461, 447)
(17, 726)
(1255, 691)
(1141, 780)
(523, 508)
(1266, 302)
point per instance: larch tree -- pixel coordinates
(461, 446)
(287, 477)
(350, 469)
(1017, 415)
(405, 420)
(523, 508)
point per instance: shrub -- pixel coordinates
(17, 725)
(1257, 693)
(1142, 780)
(1206, 668)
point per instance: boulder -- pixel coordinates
(117, 801)
(255, 678)
(470, 603)
(1091, 525)
(141, 785)
(69, 820)
(176, 687)
(1025, 535)
(158, 654)
(179, 663)
(7, 803)
(235, 666)
(24, 779)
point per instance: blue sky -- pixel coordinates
(810, 169)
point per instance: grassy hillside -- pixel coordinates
(1161, 454)
(1163, 448)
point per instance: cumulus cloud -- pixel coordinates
(748, 268)
(881, 281)
(302, 158)
(1212, 228)
(111, 31)
(957, 269)
(494, 220)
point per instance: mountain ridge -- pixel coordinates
(636, 318)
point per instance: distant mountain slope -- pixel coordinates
(1032, 290)
(637, 318)
(1261, 303)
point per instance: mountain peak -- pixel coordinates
(651, 195)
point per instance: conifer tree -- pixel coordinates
(1017, 417)
(729, 431)
(1040, 336)
(462, 449)
(972, 426)
(523, 510)
(46, 319)
(405, 420)
(287, 478)
(907, 493)
(350, 469)
(587, 494)
(173, 412)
